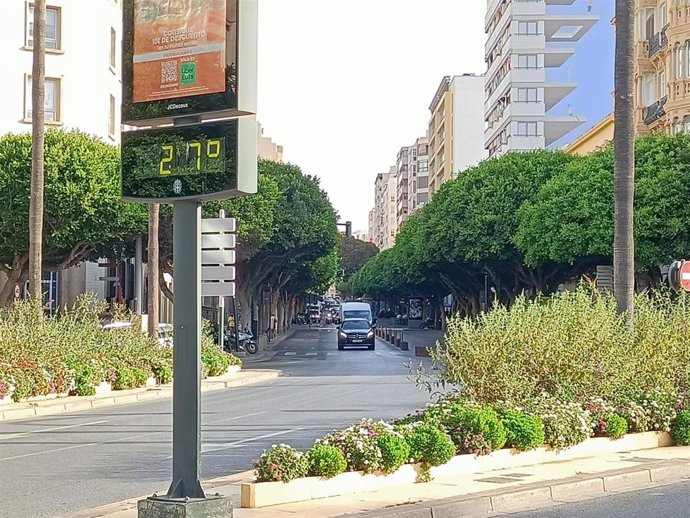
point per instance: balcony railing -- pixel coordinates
(658, 41)
(655, 111)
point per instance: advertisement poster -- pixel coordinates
(180, 47)
(415, 309)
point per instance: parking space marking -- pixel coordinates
(290, 353)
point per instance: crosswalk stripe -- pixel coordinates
(290, 353)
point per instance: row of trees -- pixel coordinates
(532, 221)
(287, 232)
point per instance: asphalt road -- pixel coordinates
(56, 465)
(669, 501)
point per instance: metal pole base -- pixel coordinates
(165, 507)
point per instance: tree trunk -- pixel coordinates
(153, 300)
(37, 145)
(624, 164)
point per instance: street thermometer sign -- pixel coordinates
(189, 103)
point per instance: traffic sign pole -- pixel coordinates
(187, 352)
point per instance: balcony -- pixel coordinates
(655, 111)
(658, 42)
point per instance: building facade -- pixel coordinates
(662, 66)
(524, 41)
(82, 91)
(455, 128)
(268, 150)
(594, 139)
(385, 209)
(403, 165)
(419, 175)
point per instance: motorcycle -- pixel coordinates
(246, 343)
(427, 324)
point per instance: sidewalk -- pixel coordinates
(422, 338)
(469, 495)
(122, 397)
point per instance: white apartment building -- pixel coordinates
(83, 91)
(402, 172)
(419, 175)
(455, 128)
(524, 41)
(385, 209)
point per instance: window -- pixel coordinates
(423, 182)
(527, 129)
(52, 27)
(662, 83)
(423, 166)
(648, 96)
(678, 58)
(686, 124)
(687, 58)
(527, 95)
(113, 48)
(528, 61)
(528, 28)
(111, 117)
(52, 99)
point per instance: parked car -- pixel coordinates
(356, 332)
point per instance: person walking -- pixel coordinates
(272, 327)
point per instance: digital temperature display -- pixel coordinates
(190, 157)
(175, 162)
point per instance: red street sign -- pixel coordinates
(685, 275)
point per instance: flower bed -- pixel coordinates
(73, 354)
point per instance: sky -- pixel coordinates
(343, 85)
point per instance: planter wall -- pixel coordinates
(7, 400)
(105, 387)
(232, 369)
(262, 494)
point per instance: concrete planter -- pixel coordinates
(233, 369)
(45, 397)
(7, 400)
(151, 382)
(105, 387)
(262, 494)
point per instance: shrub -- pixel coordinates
(359, 445)
(215, 361)
(565, 423)
(326, 461)
(281, 463)
(395, 451)
(470, 427)
(680, 428)
(613, 426)
(124, 379)
(140, 377)
(428, 445)
(163, 372)
(635, 416)
(523, 431)
(660, 408)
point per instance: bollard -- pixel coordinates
(404, 346)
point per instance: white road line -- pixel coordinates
(312, 354)
(228, 445)
(290, 353)
(129, 438)
(48, 430)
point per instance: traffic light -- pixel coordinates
(348, 229)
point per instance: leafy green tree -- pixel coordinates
(84, 214)
(354, 253)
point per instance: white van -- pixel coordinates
(349, 310)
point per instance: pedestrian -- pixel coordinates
(273, 327)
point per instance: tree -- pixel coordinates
(353, 254)
(37, 153)
(85, 216)
(153, 285)
(624, 167)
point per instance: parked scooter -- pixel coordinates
(427, 324)
(246, 343)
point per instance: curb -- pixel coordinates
(539, 494)
(55, 406)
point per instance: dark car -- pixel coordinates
(356, 331)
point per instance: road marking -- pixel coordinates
(234, 444)
(47, 430)
(129, 438)
(312, 354)
(290, 353)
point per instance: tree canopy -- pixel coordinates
(84, 215)
(531, 221)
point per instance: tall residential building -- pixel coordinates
(371, 234)
(385, 209)
(83, 91)
(524, 40)
(419, 175)
(82, 66)
(268, 150)
(455, 128)
(662, 66)
(402, 173)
